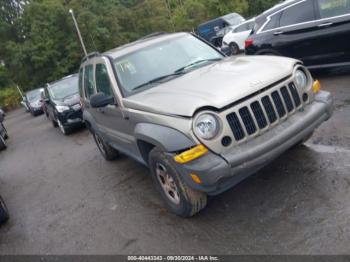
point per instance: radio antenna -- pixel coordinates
(78, 31)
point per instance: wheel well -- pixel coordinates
(145, 148)
(267, 52)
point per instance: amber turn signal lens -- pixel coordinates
(191, 154)
(196, 179)
(316, 87)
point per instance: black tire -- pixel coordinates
(6, 136)
(108, 152)
(54, 123)
(234, 48)
(190, 201)
(3, 144)
(4, 214)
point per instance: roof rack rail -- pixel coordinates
(90, 55)
(153, 35)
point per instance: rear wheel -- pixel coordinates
(177, 195)
(3, 144)
(234, 48)
(108, 152)
(4, 214)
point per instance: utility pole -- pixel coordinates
(19, 90)
(78, 31)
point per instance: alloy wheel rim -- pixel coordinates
(61, 127)
(100, 144)
(3, 140)
(168, 184)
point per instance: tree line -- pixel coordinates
(38, 42)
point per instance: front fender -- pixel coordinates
(166, 138)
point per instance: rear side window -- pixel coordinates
(330, 8)
(242, 28)
(274, 22)
(103, 83)
(302, 12)
(81, 82)
(89, 81)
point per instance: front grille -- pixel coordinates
(236, 126)
(295, 94)
(259, 114)
(278, 103)
(287, 99)
(74, 114)
(270, 111)
(246, 121)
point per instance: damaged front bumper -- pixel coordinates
(218, 173)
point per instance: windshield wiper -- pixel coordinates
(157, 79)
(196, 63)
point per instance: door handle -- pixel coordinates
(325, 25)
(101, 110)
(278, 33)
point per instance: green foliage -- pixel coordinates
(38, 42)
(9, 98)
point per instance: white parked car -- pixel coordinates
(236, 37)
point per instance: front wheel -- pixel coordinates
(177, 195)
(64, 130)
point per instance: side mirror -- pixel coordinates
(101, 100)
(46, 100)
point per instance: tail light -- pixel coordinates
(248, 42)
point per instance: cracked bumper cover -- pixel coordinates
(219, 173)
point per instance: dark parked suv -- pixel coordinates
(212, 30)
(63, 103)
(33, 100)
(314, 31)
(3, 131)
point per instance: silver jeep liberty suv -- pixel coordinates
(201, 122)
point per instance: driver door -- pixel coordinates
(111, 120)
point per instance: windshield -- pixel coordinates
(64, 88)
(34, 95)
(168, 58)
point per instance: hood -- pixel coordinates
(69, 100)
(36, 103)
(216, 85)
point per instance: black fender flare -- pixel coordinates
(166, 138)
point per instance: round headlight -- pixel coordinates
(301, 79)
(206, 126)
